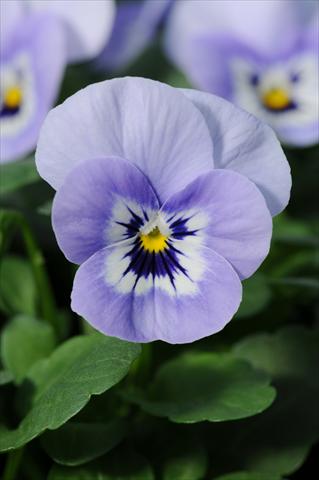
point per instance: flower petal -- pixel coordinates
(246, 145)
(269, 25)
(88, 24)
(146, 122)
(157, 315)
(239, 223)
(38, 47)
(306, 136)
(135, 25)
(11, 12)
(84, 205)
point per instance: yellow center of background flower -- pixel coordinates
(13, 97)
(276, 99)
(154, 241)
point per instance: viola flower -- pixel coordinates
(148, 203)
(263, 56)
(38, 39)
(134, 27)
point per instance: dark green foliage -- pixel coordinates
(18, 174)
(206, 386)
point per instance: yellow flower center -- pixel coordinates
(276, 99)
(13, 97)
(154, 241)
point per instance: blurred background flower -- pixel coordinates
(135, 26)
(261, 55)
(38, 40)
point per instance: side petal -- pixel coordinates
(88, 24)
(246, 145)
(156, 315)
(146, 122)
(37, 52)
(83, 207)
(239, 225)
(135, 25)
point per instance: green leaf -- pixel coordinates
(76, 443)
(8, 227)
(205, 386)
(46, 208)
(176, 79)
(24, 342)
(307, 283)
(291, 231)
(294, 264)
(18, 292)
(278, 440)
(248, 476)
(5, 377)
(11, 220)
(291, 353)
(18, 174)
(256, 296)
(119, 465)
(60, 386)
(187, 460)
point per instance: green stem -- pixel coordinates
(47, 303)
(12, 464)
(37, 261)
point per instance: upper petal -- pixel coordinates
(268, 25)
(146, 122)
(246, 145)
(88, 24)
(238, 224)
(84, 206)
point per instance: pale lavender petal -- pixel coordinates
(134, 27)
(310, 33)
(157, 315)
(299, 136)
(239, 224)
(146, 122)
(247, 146)
(267, 25)
(84, 205)
(11, 12)
(209, 62)
(88, 24)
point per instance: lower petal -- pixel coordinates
(297, 136)
(155, 313)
